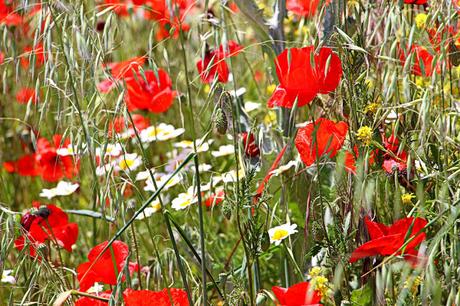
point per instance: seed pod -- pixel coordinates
(227, 211)
(220, 121)
(454, 55)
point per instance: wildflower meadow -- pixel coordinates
(229, 152)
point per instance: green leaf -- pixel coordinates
(362, 296)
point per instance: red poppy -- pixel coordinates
(54, 167)
(304, 8)
(2, 58)
(107, 267)
(38, 53)
(87, 301)
(250, 147)
(301, 79)
(320, 138)
(297, 295)
(158, 10)
(120, 70)
(24, 166)
(213, 64)
(350, 161)
(389, 240)
(161, 298)
(121, 7)
(422, 60)
(215, 198)
(416, 2)
(395, 159)
(121, 124)
(26, 94)
(151, 91)
(7, 15)
(275, 165)
(47, 223)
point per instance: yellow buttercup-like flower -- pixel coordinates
(365, 135)
(372, 107)
(270, 89)
(407, 198)
(420, 20)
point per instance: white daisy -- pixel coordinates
(143, 175)
(7, 277)
(251, 106)
(183, 201)
(160, 133)
(63, 188)
(188, 144)
(279, 233)
(150, 210)
(230, 177)
(224, 151)
(160, 179)
(112, 150)
(128, 162)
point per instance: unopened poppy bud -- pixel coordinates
(220, 121)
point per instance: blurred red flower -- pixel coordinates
(389, 240)
(304, 8)
(215, 198)
(422, 60)
(297, 295)
(2, 58)
(7, 15)
(121, 124)
(213, 64)
(38, 53)
(107, 267)
(302, 75)
(24, 166)
(46, 223)
(53, 167)
(395, 159)
(249, 144)
(417, 2)
(320, 138)
(161, 298)
(150, 91)
(87, 301)
(26, 94)
(120, 70)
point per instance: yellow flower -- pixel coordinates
(352, 4)
(206, 89)
(372, 108)
(270, 89)
(320, 284)
(420, 20)
(314, 272)
(365, 135)
(270, 118)
(407, 198)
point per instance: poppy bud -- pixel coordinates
(27, 220)
(250, 147)
(454, 55)
(227, 211)
(43, 212)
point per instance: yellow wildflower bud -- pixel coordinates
(270, 118)
(270, 89)
(364, 134)
(206, 89)
(372, 108)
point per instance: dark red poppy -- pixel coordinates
(121, 124)
(149, 92)
(54, 167)
(323, 137)
(161, 298)
(249, 144)
(120, 70)
(107, 267)
(26, 95)
(422, 60)
(213, 64)
(87, 301)
(297, 295)
(38, 53)
(46, 223)
(303, 74)
(389, 240)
